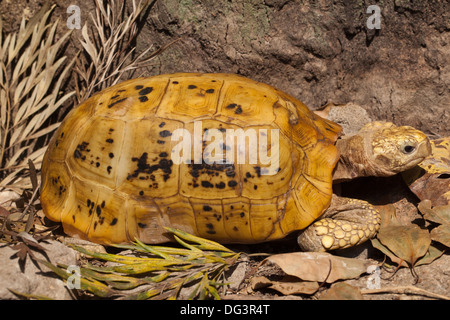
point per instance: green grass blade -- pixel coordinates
(203, 244)
(93, 286)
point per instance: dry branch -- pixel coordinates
(107, 55)
(32, 72)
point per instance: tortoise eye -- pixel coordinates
(408, 148)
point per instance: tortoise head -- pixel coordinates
(380, 149)
(396, 149)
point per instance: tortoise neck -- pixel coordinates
(353, 162)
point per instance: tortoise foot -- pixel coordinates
(348, 222)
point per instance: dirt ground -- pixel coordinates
(319, 52)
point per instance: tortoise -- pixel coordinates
(191, 151)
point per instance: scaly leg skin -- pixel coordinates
(347, 222)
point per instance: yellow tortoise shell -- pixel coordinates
(108, 175)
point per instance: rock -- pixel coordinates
(87, 245)
(318, 50)
(313, 50)
(236, 275)
(350, 116)
(32, 280)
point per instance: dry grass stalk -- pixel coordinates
(32, 72)
(108, 55)
(158, 272)
(31, 78)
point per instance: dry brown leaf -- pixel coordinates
(441, 234)
(296, 287)
(432, 254)
(342, 291)
(406, 245)
(431, 178)
(434, 187)
(388, 215)
(25, 248)
(378, 245)
(437, 214)
(319, 266)
(288, 286)
(439, 160)
(4, 212)
(260, 282)
(409, 243)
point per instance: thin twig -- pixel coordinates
(406, 290)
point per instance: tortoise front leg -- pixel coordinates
(347, 222)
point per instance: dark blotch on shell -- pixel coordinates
(210, 227)
(116, 102)
(143, 167)
(232, 183)
(207, 184)
(81, 147)
(165, 133)
(145, 91)
(220, 185)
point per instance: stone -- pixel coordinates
(32, 280)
